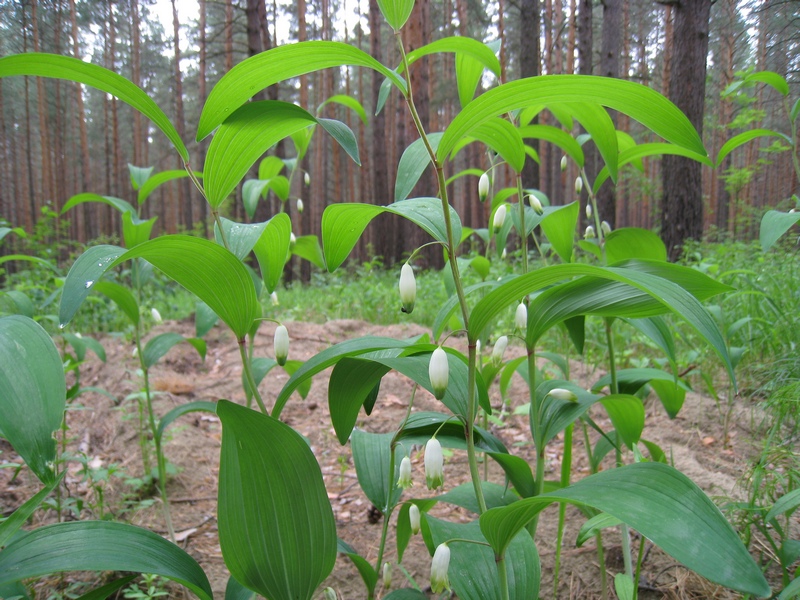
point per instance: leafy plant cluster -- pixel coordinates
(276, 527)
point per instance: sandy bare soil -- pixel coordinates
(106, 430)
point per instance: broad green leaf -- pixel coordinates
(502, 137)
(260, 366)
(343, 135)
(121, 296)
(639, 102)
(633, 379)
(14, 302)
(770, 78)
(21, 515)
(672, 395)
(468, 75)
(463, 46)
(33, 259)
(32, 393)
(329, 357)
(204, 319)
(343, 224)
(627, 415)
(241, 237)
(774, 224)
(600, 128)
(632, 242)
(236, 591)
(80, 344)
(623, 586)
(243, 138)
(100, 546)
(272, 248)
(787, 502)
(660, 503)
(559, 227)
(270, 166)
(635, 154)
(405, 594)
(518, 472)
(163, 343)
(308, 248)
(204, 268)
(139, 175)
(421, 426)
(4, 231)
(464, 496)
(593, 526)
(106, 590)
(790, 591)
(412, 165)
(276, 527)
(556, 136)
(347, 101)
(179, 411)
(556, 415)
(135, 230)
(253, 189)
(368, 574)
(352, 380)
(372, 455)
(159, 179)
(473, 568)
(743, 138)
(72, 69)
(118, 203)
(278, 64)
(396, 12)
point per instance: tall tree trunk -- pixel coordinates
(609, 67)
(585, 45)
(529, 66)
(202, 92)
(185, 195)
(682, 202)
(80, 115)
(228, 35)
(47, 171)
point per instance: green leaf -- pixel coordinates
(343, 224)
(502, 137)
(660, 503)
(627, 415)
(639, 102)
(72, 69)
(20, 516)
(276, 527)
(204, 268)
(118, 203)
(100, 546)
(121, 296)
(623, 586)
(139, 175)
(347, 101)
(371, 455)
(743, 138)
(368, 574)
(241, 237)
(559, 227)
(405, 594)
(343, 135)
(135, 230)
(462, 46)
(272, 248)
(236, 591)
(473, 568)
(163, 343)
(351, 382)
(593, 526)
(204, 319)
(421, 426)
(412, 165)
(159, 179)
(556, 415)
(464, 496)
(308, 248)
(260, 366)
(32, 393)
(179, 411)
(774, 224)
(329, 357)
(396, 12)
(790, 591)
(278, 64)
(243, 138)
(770, 78)
(4, 231)
(556, 136)
(787, 502)
(632, 242)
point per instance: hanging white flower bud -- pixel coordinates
(483, 187)
(330, 594)
(414, 518)
(439, 372)
(156, 315)
(135, 351)
(536, 204)
(499, 349)
(281, 344)
(504, 254)
(562, 394)
(578, 184)
(307, 178)
(588, 210)
(408, 288)
(299, 205)
(589, 233)
(521, 317)
(499, 218)
(273, 298)
(387, 575)
(439, 567)
(606, 227)
(292, 241)
(564, 163)
(404, 480)
(434, 464)
(477, 347)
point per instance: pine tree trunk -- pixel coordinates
(529, 65)
(609, 67)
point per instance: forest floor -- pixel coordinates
(106, 430)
